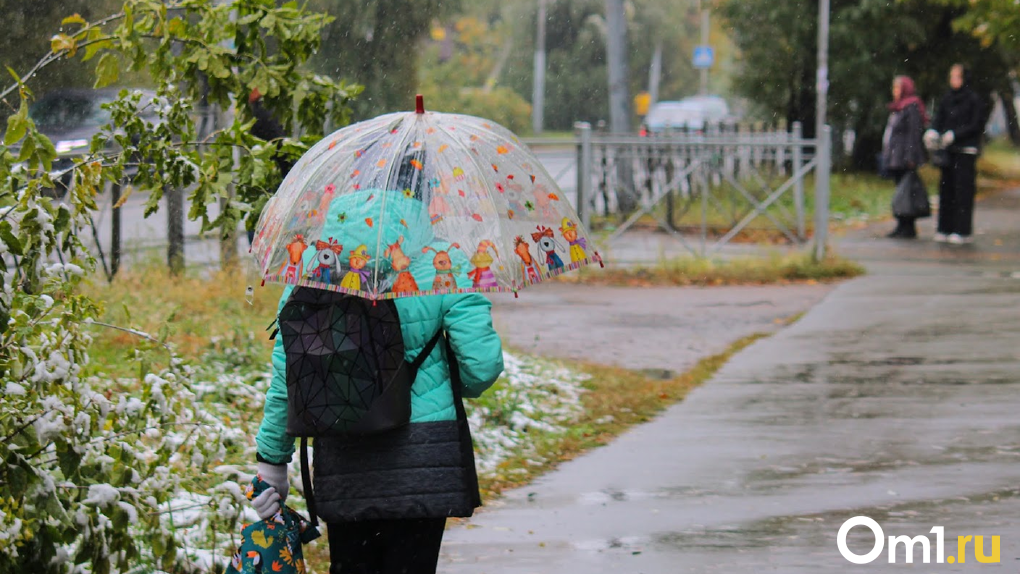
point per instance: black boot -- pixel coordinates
(904, 229)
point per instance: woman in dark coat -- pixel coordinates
(957, 129)
(903, 148)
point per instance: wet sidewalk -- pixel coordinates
(896, 397)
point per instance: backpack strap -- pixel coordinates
(466, 444)
(306, 483)
(425, 352)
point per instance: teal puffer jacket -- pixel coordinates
(465, 317)
(468, 322)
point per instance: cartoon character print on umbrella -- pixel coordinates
(544, 199)
(327, 261)
(405, 282)
(514, 194)
(309, 208)
(577, 244)
(293, 268)
(439, 207)
(529, 266)
(444, 268)
(546, 240)
(434, 172)
(482, 275)
(327, 196)
(358, 274)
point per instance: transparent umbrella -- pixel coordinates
(419, 203)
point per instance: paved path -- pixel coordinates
(655, 328)
(896, 397)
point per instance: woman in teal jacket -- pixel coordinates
(385, 498)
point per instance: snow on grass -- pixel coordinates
(533, 400)
(534, 397)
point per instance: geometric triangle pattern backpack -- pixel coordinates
(346, 373)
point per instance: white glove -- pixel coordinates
(948, 138)
(931, 139)
(271, 500)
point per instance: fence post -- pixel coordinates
(824, 151)
(798, 186)
(584, 161)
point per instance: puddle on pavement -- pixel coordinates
(604, 497)
(632, 544)
(659, 374)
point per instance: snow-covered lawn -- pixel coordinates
(534, 400)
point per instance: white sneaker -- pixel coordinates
(941, 238)
(957, 239)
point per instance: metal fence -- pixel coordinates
(736, 173)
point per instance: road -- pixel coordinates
(144, 239)
(895, 397)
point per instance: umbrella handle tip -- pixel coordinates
(419, 104)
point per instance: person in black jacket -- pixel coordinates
(903, 148)
(957, 129)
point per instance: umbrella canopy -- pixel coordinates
(418, 204)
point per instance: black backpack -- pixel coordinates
(346, 373)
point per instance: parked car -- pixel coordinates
(70, 118)
(689, 113)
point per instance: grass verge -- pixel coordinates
(694, 271)
(199, 314)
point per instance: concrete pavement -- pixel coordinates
(896, 397)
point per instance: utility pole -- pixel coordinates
(538, 96)
(655, 75)
(822, 79)
(616, 46)
(823, 135)
(704, 42)
(619, 98)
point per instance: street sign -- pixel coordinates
(704, 56)
(642, 102)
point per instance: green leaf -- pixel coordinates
(45, 150)
(177, 27)
(107, 70)
(96, 43)
(63, 219)
(74, 19)
(17, 125)
(7, 235)
(27, 151)
(67, 459)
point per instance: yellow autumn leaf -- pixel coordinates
(286, 555)
(259, 538)
(73, 19)
(62, 42)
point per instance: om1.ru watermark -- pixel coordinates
(908, 544)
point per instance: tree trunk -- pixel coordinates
(175, 230)
(1008, 95)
